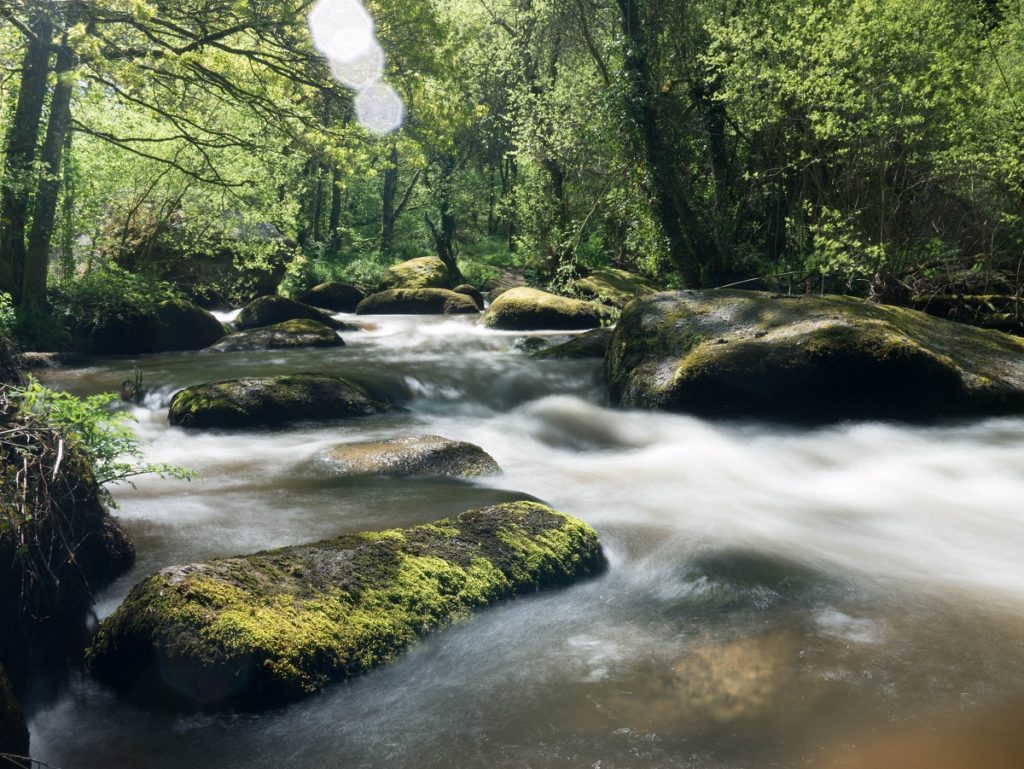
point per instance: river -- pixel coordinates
(776, 597)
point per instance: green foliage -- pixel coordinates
(108, 293)
(8, 317)
(100, 433)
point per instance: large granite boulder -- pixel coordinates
(13, 732)
(270, 310)
(425, 272)
(175, 324)
(422, 455)
(291, 333)
(615, 287)
(745, 353)
(529, 309)
(277, 625)
(421, 301)
(333, 296)
(265, 401)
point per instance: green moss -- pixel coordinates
(424, 272)
(615, 287)
(421, 301)
(283, 623)
(529, 309)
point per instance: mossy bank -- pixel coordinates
(746, 353)
(270, 627)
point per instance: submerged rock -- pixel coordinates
(261, 401)
(291, 333)
(472, 293)
(424, 272)
(269, 310)
(745, 353)
(428, 455)
(615, 287)
(266, 628)
(333, 296)
(592, 344)
(423, 301)
(13, 732)
(529, 309)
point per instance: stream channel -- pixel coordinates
(776, 597)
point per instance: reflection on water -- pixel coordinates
(847, 596)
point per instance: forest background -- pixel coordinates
(154, 148)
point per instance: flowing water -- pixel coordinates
(835, 597)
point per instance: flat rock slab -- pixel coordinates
(417, 301)
(291, 333)
(747, 353)
(424, 455)
(266, 628)
(265, 401)
(529, 309)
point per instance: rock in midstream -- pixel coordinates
(423, 455)
(266, 628)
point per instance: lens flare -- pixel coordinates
(343, 33)
(342, 30)
(362, 72)
(379, 108)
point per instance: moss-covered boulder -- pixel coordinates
(270, 310)
(266, 628)
(423, 455)
(615, 287)
(472, 293)
(333, 296)
(422, 301)
(175, 324)
(425, 272)
(591, 344)
(265, 401)
(745, 353)
(13, 732)
(529, 309)
(291, 333)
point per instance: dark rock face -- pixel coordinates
(13, 732)
(592, 344)
(266, 628)
(333, 296)
(614, 287)
(269, 310)
(176, 325)
(10, 371)
(244, 403)
(424, 455)
(740, 353)
(528, 309)
(291, 333)
(424, 272)
(422, 301)
(472, 293)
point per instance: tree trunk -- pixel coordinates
(38, 259)
(689, 246)
(20, 154)
(334, 223)
(388, 195)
